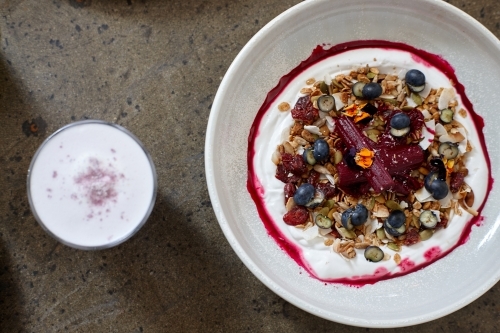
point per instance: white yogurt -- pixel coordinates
(91, 185)
(320, 259)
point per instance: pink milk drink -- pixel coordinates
(92, 185)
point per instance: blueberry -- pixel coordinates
(326, 103)
(400, 120)
(321, 150)
(438, 166)
(372, 90)
(359, 215)
(374, 253)
(357, 89)
(394, 231)
(308, 156)
(429, 179)
(396, 219)
(398, 133)
(436, 186)
(428, 219)
(316, 200)
(349, 158)
(439, 189)
(304, 194)
(448, 150)
(415, 78)
(346, 219)
(323, 222)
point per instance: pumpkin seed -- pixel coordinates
(349, 234)
(372, 131)
(391, 101)
(338, 157)
(425, 234)
(324, 211)
(370, 204)
(329, 204)
(381, 234)
(323, 87)
(392, 205)
(330, 213)
(373, 137)
(394, 246)
(416, 98)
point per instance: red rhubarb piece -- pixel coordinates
(378, 176)
(397, 159)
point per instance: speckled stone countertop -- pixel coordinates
(154, 67)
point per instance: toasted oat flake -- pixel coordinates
(305, 91)
(310, 81)
(284, 106)
(397, 258)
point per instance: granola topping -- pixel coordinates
(412, 175)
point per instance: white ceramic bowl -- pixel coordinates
(431, 25)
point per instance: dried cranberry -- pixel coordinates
(456, 181)
(441, 224)
(328, 190)
(313, 177)
(407, 182)
(305, 111)
(383, 107)
(289, 191)
(285, 176)
(335, 233)
(412, 237)
(297, 215)
(294, 164)
(416, 119)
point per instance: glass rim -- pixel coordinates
(119, 240)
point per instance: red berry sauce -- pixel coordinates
(322, 52)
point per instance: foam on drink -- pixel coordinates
(91, 184)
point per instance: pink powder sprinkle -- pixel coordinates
(113, 151)
(98, 184)
(432, 253)
(54, 174)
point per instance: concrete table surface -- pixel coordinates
(154, 67)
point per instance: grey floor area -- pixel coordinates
(154, 67)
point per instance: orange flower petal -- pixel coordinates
(364, 158)
(361, 116)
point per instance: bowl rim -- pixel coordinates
(217, 106)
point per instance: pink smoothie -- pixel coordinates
(91, 185)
